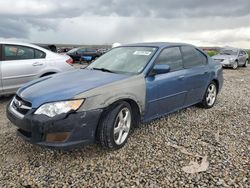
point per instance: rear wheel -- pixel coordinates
(210, 96)
(115, 126)
(246, 63)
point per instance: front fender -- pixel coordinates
(131, 88)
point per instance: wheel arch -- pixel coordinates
(217, 84)
(48, 73)
(135, 107)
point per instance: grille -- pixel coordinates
(21, 105)
(219, 60)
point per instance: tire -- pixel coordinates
(210, 96)
(246, 63)
(115, 126)
(235, 65)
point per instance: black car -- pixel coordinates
(84, 54)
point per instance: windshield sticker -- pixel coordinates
(147, 53)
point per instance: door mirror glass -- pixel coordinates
(161, 69)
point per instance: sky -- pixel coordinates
(199, 22)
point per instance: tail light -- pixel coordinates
(69, 61)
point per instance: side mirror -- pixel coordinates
(160, 69)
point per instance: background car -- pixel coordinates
(128, 84)
(232, 57)
(22, 62)
(63, 50)
(87, 54)
(50, 47)
(103, 50)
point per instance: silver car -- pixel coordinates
(22, 62)
(232, 57)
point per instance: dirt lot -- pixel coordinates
(159, 154)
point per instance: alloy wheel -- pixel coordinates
(122, 126)
(235, 65)
(246, 63)
(211, 94)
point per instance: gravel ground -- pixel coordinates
(191, 148)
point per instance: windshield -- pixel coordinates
(229, 52)
(124, 59)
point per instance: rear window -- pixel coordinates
(39, 54)
(192, 57)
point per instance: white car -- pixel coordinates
(22, 62)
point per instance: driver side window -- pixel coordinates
(171, 57)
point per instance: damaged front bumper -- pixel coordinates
(63, 131)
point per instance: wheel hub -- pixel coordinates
(123, 123)
(211, 94)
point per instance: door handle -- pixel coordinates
(37, 64)
(181, 77)
(205, 72)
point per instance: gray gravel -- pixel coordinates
(156, 155)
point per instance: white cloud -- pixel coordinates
(224, 22)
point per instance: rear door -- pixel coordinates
(197, 74)
(166, 92)
(1, 86)
(20, 64)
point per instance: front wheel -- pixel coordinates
(210, 96)
(235, 65)
(115, 126)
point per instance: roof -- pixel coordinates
(157, 44)
(24, 44)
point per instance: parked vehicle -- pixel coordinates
(84, 54)
(21, 63)
(103, 50)
(232, 57)
(64, 50)
(103, 102)
(50, 47)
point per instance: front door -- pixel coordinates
(166, 92)
(19, 66)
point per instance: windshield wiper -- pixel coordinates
(103, 70)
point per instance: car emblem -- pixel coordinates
(18, 104)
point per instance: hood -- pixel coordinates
(221, 56)
(64, 86)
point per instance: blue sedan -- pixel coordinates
(128, 85)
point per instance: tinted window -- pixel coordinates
(0, 52)
(81, 51)
(39, 54)
(12, 52)
(242, 53)
(192, 57)
(90, 50)
(171, 57)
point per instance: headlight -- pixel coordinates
(231, 60)
(56, 108)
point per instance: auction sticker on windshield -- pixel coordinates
(147, 53)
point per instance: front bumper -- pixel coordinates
(229, 65)
(79, 126)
